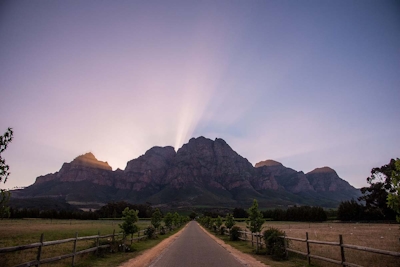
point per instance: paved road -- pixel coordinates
(194, 248)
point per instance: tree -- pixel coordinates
(128, 226)
(218, 222)
(168, 220)
(156, 218)
(393, 198)
(176, 219)
(229, 221)
(4, 141)
(350, 211)
(376, 195)
(4, 173)
(255, 220)
(193, 215)
(240, 213)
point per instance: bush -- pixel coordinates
(150, 231)
(234, 233)
(163, 230)
(274, 243)
(222, 228)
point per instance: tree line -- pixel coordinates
(299, 214)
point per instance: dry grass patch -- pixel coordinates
(379, 236)
(28, 231)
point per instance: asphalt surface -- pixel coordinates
(194, 248)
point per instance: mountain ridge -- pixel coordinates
(202, 172)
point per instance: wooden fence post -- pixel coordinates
(252, 237)
(285, 245)
(308, 250)
(112, 241)
(97, 243)
(39, 255)
(342, 250)
(75, 241)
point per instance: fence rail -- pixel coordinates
(258, 240)
(39, 245)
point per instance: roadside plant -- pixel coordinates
(156, 219)
(176, 219)
(222, 230)
(256, 219)
(150, 231)
(128, 226)
(218, 222)
(275, 243)
(168, 218)
(234, 233)
(229, 221)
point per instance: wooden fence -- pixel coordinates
(256, 238)
(39, 245)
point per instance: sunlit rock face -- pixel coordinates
(83, 168)
(89, 160)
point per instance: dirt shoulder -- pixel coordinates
(148, 256)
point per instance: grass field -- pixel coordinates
(27, 231)
(380, 236)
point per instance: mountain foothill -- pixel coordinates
(202, 173)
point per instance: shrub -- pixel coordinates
(274, 243)
(163, 230)
(234, 233)
(222, 229)
(150, 231)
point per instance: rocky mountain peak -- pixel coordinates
(201, 172)
(323, 170)
(89, 160)
(268, 163)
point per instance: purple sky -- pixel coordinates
(306, 83)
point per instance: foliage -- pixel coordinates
(4, 173)
(150, 231)
(240, 213)
(300, 214)
(156, 218)
(218, 222)
(255, 220)
(4, 208)
(375, 196)
(229, 221)
(234, 233)
(130, 217)
(168, 219)
(52, 214)
(351, 211)
(193, 215)
(176, 219)
(115, 209)
(222, 230)
(4, 141)
(163, 230)
(393, 198)
(275, 244)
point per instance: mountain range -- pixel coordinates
(202, 173)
